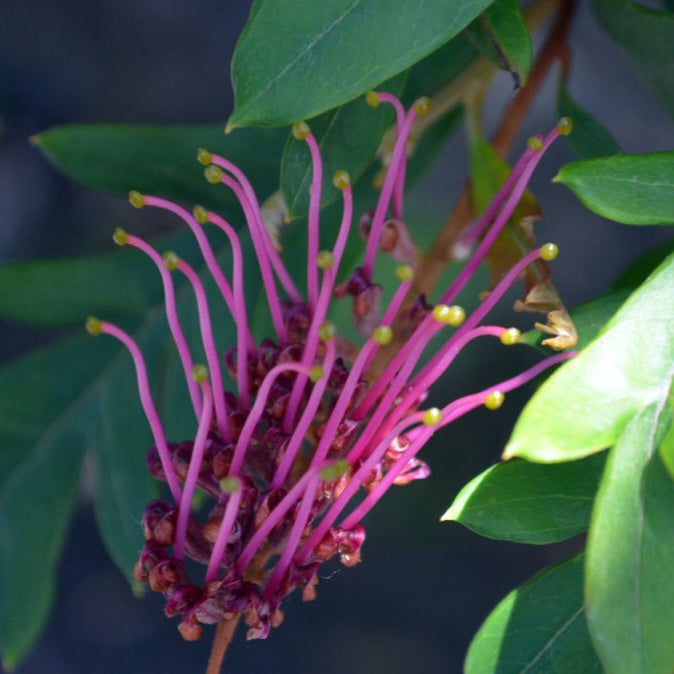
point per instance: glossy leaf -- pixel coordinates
(538, 628)
(632, 189)
(585, 405)
(630, 554)
(161, 160)
(589, 138)
(41, 397)
(529, 503)
(291, 65)
(502, 36)
(348, 137)
(667, 450)
(647, 36)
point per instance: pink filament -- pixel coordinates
(450, 413)
(204, 245)
(500, 221)
(209, 349)
(172, 317)
(226, 526)
(301, 518)
(244, 340)
(148, 405)
(312, 220)
(398, 156)
(251, 200)
(193, 471)
(274, 517)
(400, 178)
(321, 307)
(257, 410)
(307, 417)
(260, 238)
(352, 487)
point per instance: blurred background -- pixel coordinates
(423, 587)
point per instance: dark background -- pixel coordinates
(423, 587)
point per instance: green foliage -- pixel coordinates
(630, 553)
(500, 33)
(161, 160)
(529, 503)
(590, 138)
(79, 397)
(647, 36)
(587, 403)
(348, 137)
(632, 189)
(281, 51)
(538, 628)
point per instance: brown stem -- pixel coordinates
(226, 627)
(223, 637)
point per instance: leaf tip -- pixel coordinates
(230, 127)
(449, 515)
(35, 140)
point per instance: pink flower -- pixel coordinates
(284, 455)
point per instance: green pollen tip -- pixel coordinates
(535, 143)
(93, 326)
(335, 470)
(230, 485)
(565, 126)
(432, 416)
(325, 259)
(549, 251)
(422, 105)
(382, 335)
(203, 156)
(136, 199)
(213, 174)
(316, 373)
(510, 336)
(171, 260)
(341, 180)
(372, 99)
(120, 236)
(405, 272)
(200, 214)
(199, 373)
(301, 130)
(494, 400)
(326, 331)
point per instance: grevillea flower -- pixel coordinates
(295, 457)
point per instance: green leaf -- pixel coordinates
(348, 138)
(40, 459)
(538, 628)
(630, 555)
(62, 292)
(440, 68)
(290, 65)
(529, 503)
(584, 406)
(667, 450)
(589, 137)
(632, 189)
(647, 36)
(501, 35)
(161, 160)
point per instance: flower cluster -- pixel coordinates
(295, 457)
